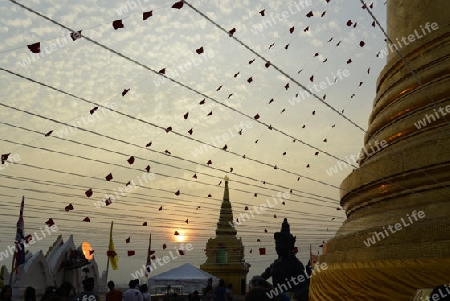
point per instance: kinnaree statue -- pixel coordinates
(288, 273)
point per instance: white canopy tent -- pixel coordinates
(186, 275)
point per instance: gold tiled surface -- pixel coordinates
(411, 173)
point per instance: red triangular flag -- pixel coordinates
(50, 222)
(117, 24)
(28, 238)
(93, 110)
(178, 5)
(35, 48)
(89, 192)
(199, 50)
(5, 157)
(147, 15)
(75, 35)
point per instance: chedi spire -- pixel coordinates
(224, 225)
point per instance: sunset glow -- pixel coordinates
(180, 238)
(86, 247)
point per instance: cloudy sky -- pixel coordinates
(256, 124)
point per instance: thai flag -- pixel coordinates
(19, 242)
(149, 256)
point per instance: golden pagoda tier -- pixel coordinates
(396, 238)
(225, 252)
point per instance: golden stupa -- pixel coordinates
(225, 253)
(400, 195)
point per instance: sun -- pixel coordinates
(180, 238)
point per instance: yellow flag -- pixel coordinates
(113, 258)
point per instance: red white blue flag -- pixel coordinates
(20, 237)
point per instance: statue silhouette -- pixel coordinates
(288, 273)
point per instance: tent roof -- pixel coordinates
(184, 272)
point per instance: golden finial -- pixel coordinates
(226, 178)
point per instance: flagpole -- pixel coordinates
(107, 257)
(150, 247)
(148, 256)
(107, 269)
(12, 268)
